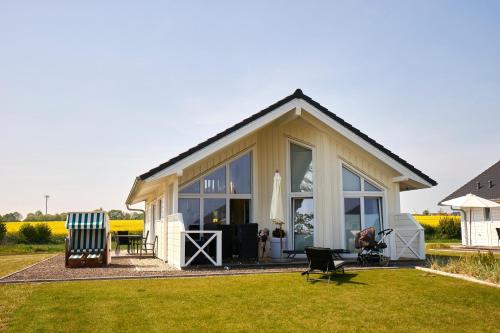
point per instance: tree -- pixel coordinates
(426, 212)
(116, 214)
(11, 217)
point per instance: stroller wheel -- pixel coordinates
(384, 261)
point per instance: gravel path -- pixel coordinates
(53, 269)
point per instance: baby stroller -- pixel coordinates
(372, 252)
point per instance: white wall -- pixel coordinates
(481, 232)
(330, 148)
(175, 227)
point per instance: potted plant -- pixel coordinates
(278, 241)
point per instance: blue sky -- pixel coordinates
(94, 93)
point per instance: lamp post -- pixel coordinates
(46, 200)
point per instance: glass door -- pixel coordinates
(301, 195)
(303, 223)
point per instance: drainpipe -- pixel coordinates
(143, 214)
(465, 223)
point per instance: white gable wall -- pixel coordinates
(270, 147)
(481, 232)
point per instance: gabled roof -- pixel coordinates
(485, 185)
(298, 94)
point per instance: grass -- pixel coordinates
(483, 266)
(9, 249)
(444, 249)
(377, 300)
(12, 263)
(58, 227)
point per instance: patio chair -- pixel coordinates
(123, 241)
(146, 246)
(498, 235)
(323, 260)
(87, 243)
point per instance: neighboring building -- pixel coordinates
(336, 181)
(483, 222)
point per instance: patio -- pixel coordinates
(128, 266)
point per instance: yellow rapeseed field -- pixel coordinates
(58, 228)
(432, 220)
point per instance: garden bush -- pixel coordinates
(27, 233)
(43, 233)
(430, 231)
(449, 227)
(3, 230)
(38, 234)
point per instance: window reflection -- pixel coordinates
(301, 167)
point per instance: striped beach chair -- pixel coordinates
(88, 243)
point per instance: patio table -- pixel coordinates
(132, 238)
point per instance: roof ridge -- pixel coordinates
(297, 94)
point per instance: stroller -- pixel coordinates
(372, 252)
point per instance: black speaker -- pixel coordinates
(247, 240)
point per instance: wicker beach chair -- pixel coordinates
(88, 242)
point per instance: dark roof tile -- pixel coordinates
(485, 190)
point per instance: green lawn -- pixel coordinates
(8, 249)
(377, 300)
(12, 263)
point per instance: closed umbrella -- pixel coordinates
(470, 201)
(276, 214)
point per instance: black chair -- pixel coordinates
(122, 240)
(322, 259)
(146, 246)
(498, 234)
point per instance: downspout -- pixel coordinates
(143, 214)
(465, 223)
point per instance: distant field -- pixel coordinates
(432, 220)
(58, 228)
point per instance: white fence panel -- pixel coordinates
(408, 239)
(201, 249)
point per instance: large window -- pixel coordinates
(301, 168)
(301, 195)
(240, 175)
(190, 210)
(215, 182)
(303, 222)
(362, 205)
(223, 192)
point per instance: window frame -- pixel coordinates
(289, 214)
(360, 194)
(487, 209)
(227, 195)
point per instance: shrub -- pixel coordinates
(3, 230)
(483, 266)
(430, 231)
(277, 232)
(43, 233)
(27, 233)
(38, 234)
(449, 227)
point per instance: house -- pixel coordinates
(336, 181)
(481, 227)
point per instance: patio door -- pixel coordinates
(301, 196)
